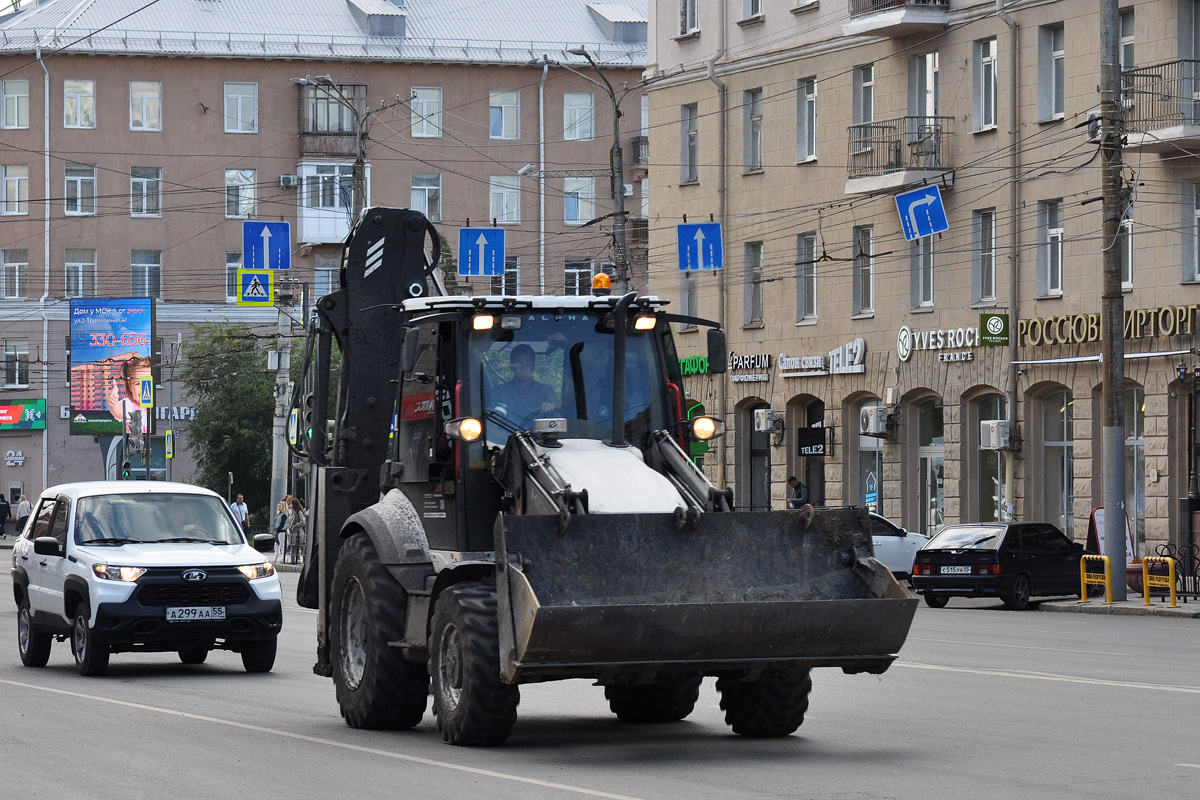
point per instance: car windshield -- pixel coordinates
(974, 537)
(153, 517)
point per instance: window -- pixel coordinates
(325, 109)
(863, 108)
(145, 106)
(1050, 260)
(689, 144)
(984, 278)
(145, 191)
(240, 194)
(510, 282)
(923, 94)
(864, 269)
(1052, 72)
(687, 297)
(922, 272)
(806, 120)
(752, 9)
(233, 262)
(752, 284)
(14, 195)
(688, 22)
(580, 200)
(16, 362)
(1057, 470)
(147, 273)
(1135, 466)
(329, 186)
(1125, 242)
(426, 112)
(14, 274)
(752, 127)
(79, 104)
(806, 277)
(241, 108)
(577, 277)
(504, 114)
(985, 85)
(80, 192)
(14, 104)
(1127, 54)
(325, 273)
(80, 272)
(577, 116)
(1191, 236)
(506, 198)
(427, 196)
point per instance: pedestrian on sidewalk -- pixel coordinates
(295, 532)
(24, 510)
(242, 514)
(5, 510)
(281, 525)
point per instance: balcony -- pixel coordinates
(641, 150)
(1162, 106)
(896, 17)
(894, 153)
(328, 145)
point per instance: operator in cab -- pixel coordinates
(522, 399)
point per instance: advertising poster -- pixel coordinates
(18, 415)
(112, 346)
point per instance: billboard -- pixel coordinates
(23, 415)
(112, 348)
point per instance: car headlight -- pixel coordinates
(111, 572)
(255, 571)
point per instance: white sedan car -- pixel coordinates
(894, 546)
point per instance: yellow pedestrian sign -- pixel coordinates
(169, 444)
(256, 287)
(146, 393)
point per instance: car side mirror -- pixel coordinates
(46, 546)
(264, 542)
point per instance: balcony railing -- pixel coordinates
(861, 7)
(639, 232)
(641, 150)
(1161, 96)
(897, 145)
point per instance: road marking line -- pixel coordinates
(1020, 646)
(487, 773)
(1049, 676)
(1193, 766)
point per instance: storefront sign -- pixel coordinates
(1140, 323)
(810, 441)
(908, 340)
(757, 362)
(18, 415)
(693, 365)
(14, 458)
(161, 412)
(993, 330)
(843, 360)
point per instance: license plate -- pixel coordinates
(956, 570)
(195, 613)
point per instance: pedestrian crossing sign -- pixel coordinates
(256, 287)
(146, 393)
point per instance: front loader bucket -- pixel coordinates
(625, 593)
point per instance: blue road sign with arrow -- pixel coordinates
(266, 245)
(699, 246)
(922, 212)
(480, 251)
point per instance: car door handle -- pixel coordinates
(24, 557)
(42, 563)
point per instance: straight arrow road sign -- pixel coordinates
(266, 245)
(480, 251)
(699, 246)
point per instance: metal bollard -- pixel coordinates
(1086, 577)
(1161, 581)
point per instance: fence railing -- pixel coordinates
(1187, 568)
(904, 143)
(860, 7)
(1161, 95)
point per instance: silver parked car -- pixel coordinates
(894, 546)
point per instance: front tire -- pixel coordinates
(473, 705)
(91, 657)
(936, 600)
(259, 656)
(665, 701)
(376, 687)
(770, 707)
(1018, 598)
(33, 645)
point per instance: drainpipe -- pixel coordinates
(722, 108)
(1014, 254)
(45, 259)
(542, 178)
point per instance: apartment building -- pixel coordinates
(135, 140)
(797, 124)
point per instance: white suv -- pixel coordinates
(130, 565)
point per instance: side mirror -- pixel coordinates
(408, 356)
(264, 542)
(46, 546)
(718, 356)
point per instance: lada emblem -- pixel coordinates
(194, 575)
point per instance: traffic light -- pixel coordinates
(309, 415)
(135, 431)
(126, 470)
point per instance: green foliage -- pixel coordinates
(449, 267)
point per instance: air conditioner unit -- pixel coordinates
(873, 421)
(628, 189)
(993, 434)
(1093, 127)
(764, 419)
(289, 181)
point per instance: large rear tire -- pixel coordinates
(473, 705)
(376, 687)
(772, 706)
(1018, 598)
(668, 700)
(33, 645)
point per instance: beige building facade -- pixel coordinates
(798, 126)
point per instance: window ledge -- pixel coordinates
(755, 171)
(986, 129)
(806, 322)
(1049, 296)
(750, 22)
(690, 36)
(922, 310)
(753, 326)
(690, 183)
(982, 304)
(809, 160)
(801, 7)
(1126, 289)
(1050, 120)
(863, 315)
(689, 329)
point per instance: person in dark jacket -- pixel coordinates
(5, 510)
(799, 494)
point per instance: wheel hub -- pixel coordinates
(352, 648)
(450, 668)
(24, 630)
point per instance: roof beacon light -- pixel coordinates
(601, 284)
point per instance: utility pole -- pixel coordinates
(1112, 309)
(282, 358)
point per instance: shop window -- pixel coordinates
(1057, 473)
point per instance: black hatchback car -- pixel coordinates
(1013, 561)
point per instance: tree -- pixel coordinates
(449, 267)
(233, 393)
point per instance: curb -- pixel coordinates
(1129, 608)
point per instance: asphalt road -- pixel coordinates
(984, 703)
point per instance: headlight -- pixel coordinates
(256, 571)
(705, 428)
(111, 572)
